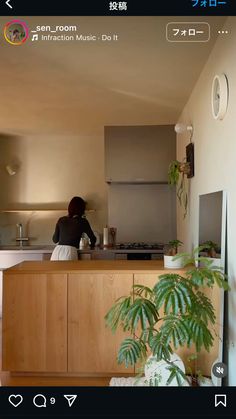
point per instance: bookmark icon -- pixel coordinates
(70, 398)
(220, 400)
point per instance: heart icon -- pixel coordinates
(15, 399)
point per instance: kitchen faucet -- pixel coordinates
(19, 237)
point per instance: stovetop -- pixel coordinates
(140, 246)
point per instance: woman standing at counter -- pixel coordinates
(69, 230)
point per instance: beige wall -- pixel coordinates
(215, 161)
(52, 169)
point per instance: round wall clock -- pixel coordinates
(219, 96)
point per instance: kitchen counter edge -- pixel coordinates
(99, 266)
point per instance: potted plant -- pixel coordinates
(194, 374)
(170, 250)
(210, 248)
(177, 173)
(187, 318)
(212, 251)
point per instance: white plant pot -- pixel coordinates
(205, 382)
(172, 264)
(215, 262)
(154, 368)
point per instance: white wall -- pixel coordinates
(215, 161)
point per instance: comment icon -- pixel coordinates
(40, 400)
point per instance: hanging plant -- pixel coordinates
(177, 174)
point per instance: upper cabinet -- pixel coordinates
(139, 154)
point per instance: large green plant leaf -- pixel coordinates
(208, 276)
(176, 372)
(159, 347)
(202, 307)
(175, 330)
(147, 334)
(143, 291)
(131, 351)
(174, 292)
(199, 334)
(130, 314)
(117, 314)
(144, 311)
(220, 279)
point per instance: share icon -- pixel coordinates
(70, 398)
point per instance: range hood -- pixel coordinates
(139, 154)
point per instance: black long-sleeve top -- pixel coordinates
(69, 231)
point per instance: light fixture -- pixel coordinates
(12, 168)
(181, 128)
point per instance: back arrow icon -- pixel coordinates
(8, 4)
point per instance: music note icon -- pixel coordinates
(35, 37)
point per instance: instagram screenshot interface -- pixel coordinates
(117, 203)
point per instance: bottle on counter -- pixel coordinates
(112, 234)
(106, 236)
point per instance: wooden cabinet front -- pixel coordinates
(92, 348)
(35, 323)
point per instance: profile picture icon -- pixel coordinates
(16, 32)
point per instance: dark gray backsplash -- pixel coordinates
(142, 212)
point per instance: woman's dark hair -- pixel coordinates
(76, 206)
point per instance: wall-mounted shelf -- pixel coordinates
(136, 182)
(41, 210)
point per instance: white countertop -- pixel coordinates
(27, 249)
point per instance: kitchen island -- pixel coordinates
(53, 315)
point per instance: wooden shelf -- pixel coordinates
(41, 210)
